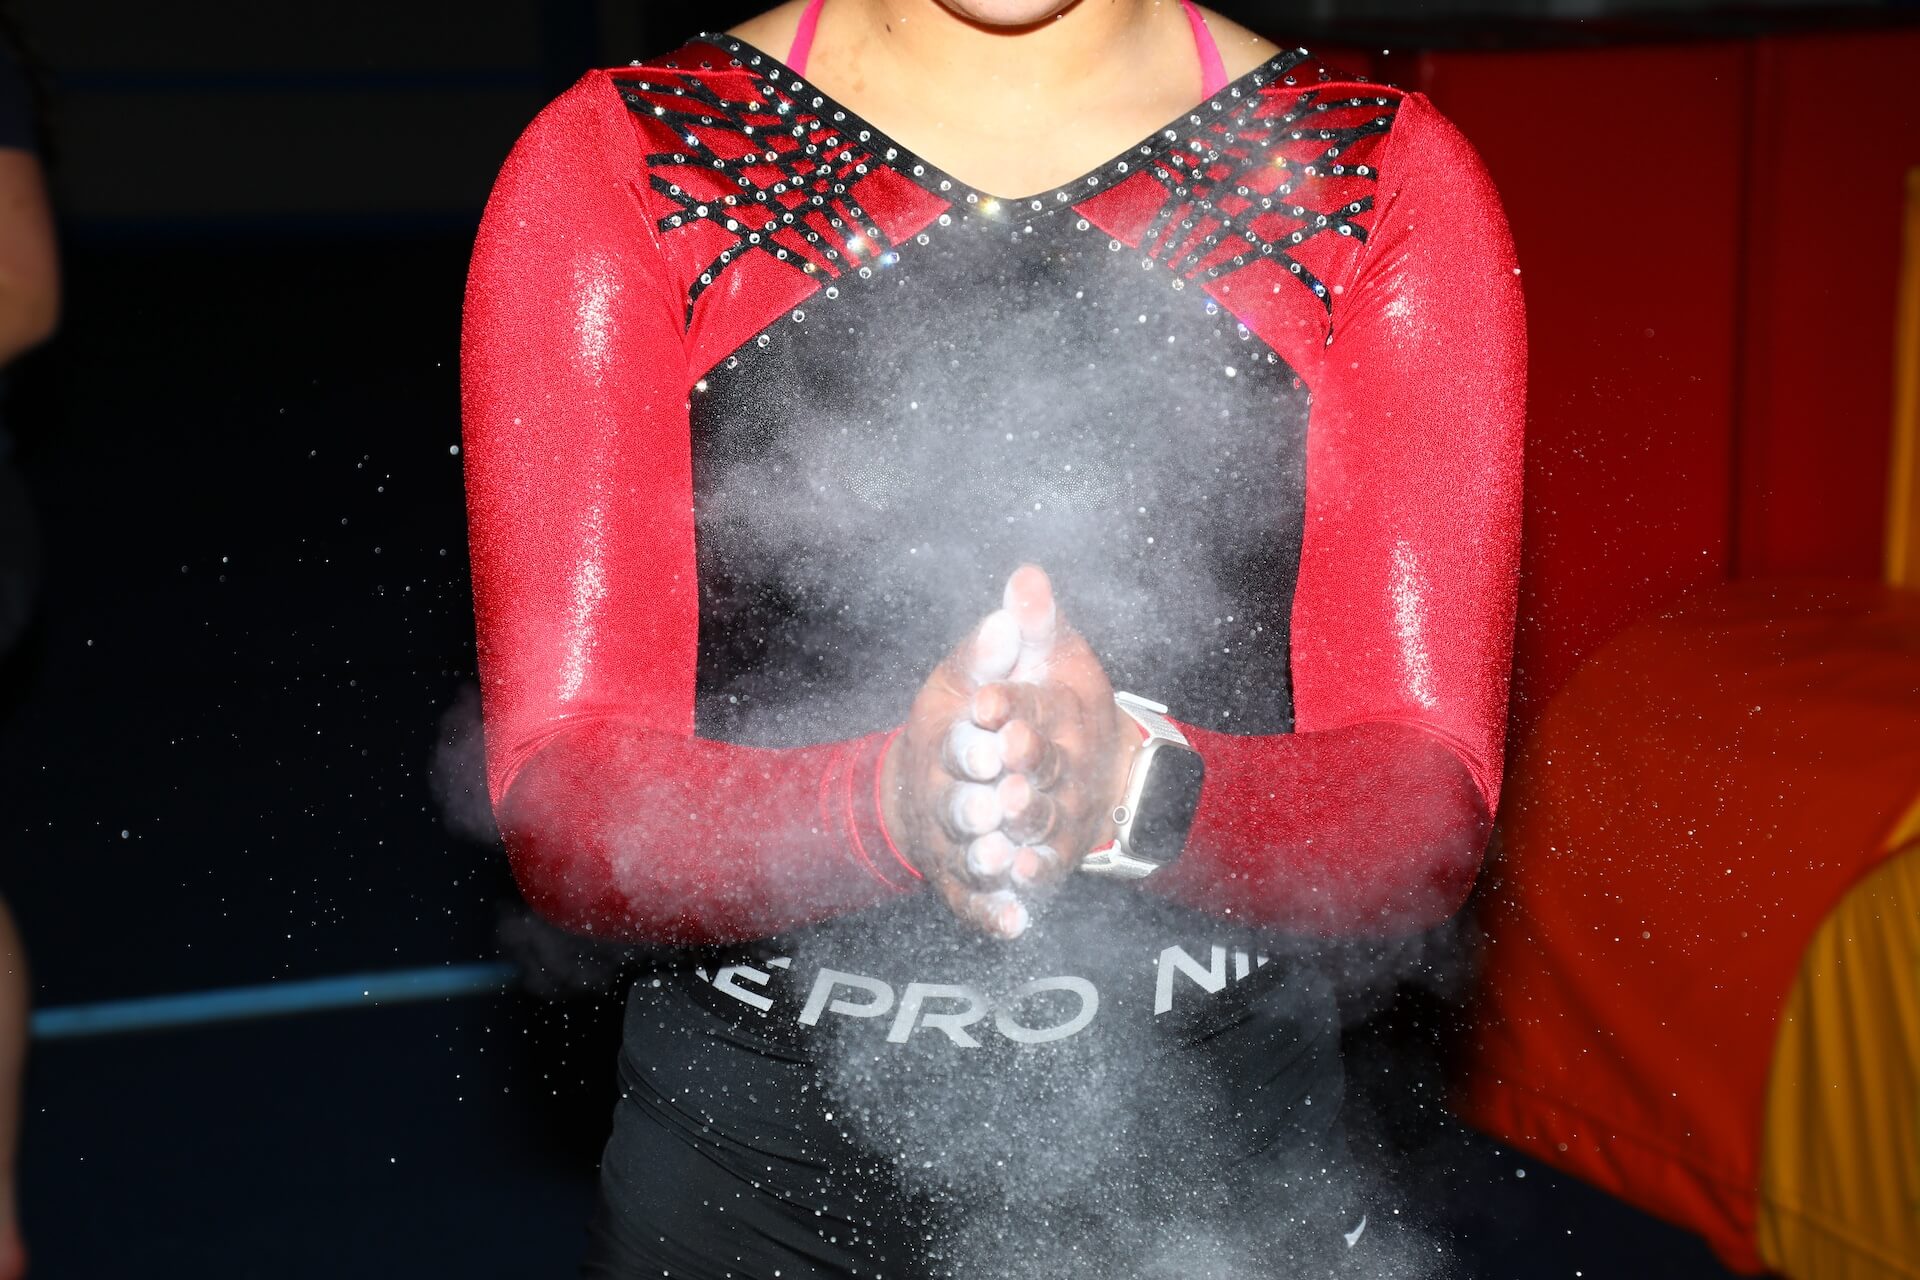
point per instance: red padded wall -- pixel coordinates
(1620, 169)
(1834, 130)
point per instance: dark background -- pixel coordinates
(217, 741)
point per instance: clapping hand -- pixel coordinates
(1010, 762)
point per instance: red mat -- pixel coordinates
(1692, 803)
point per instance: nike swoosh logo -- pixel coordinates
(1353, 1236)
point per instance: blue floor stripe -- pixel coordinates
(233, 1004)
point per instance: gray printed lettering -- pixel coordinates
(823, 986)
(724, 980)
(954, 1024)
(1089, 1005)
(1210, 979)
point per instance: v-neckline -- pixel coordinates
(1116, 168)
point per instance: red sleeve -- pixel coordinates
(574, 384)
(1372, 815)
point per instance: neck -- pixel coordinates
(1013, 109)
(1089, 49)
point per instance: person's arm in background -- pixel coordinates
(29, 264)
(29, 314)
(14, 1005)
(618, 821)
(1373, 815)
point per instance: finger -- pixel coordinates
(1000, 913)
(973, 752)
(1049, 708)
(995, 704)
(992, 706)
(1027, 813)
(1034, 865)
(1024, 749)
(990, 857)
(997, 913)
(972, 809)
(964, 902)
(997, 645)
(1015, 793)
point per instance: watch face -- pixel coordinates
(1167, 805)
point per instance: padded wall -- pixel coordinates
(1621, 171)
(1835, 129)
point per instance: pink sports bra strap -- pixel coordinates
(803, 38)
(1213, 72)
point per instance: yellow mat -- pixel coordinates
(1840, 1167)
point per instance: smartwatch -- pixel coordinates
(1156, 811)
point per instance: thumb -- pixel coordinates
(994, 649)
(1028, 599)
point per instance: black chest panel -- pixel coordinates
(869, 469)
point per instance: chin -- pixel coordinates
(1007, 13)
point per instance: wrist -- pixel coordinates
(888, 800)
(1154, 815)
(888, 787)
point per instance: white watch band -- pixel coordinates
(1152, 717)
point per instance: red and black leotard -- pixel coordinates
(761, 407)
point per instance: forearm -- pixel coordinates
(29, 259)
(27, 319)
(1373, 828)
(631, 833)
